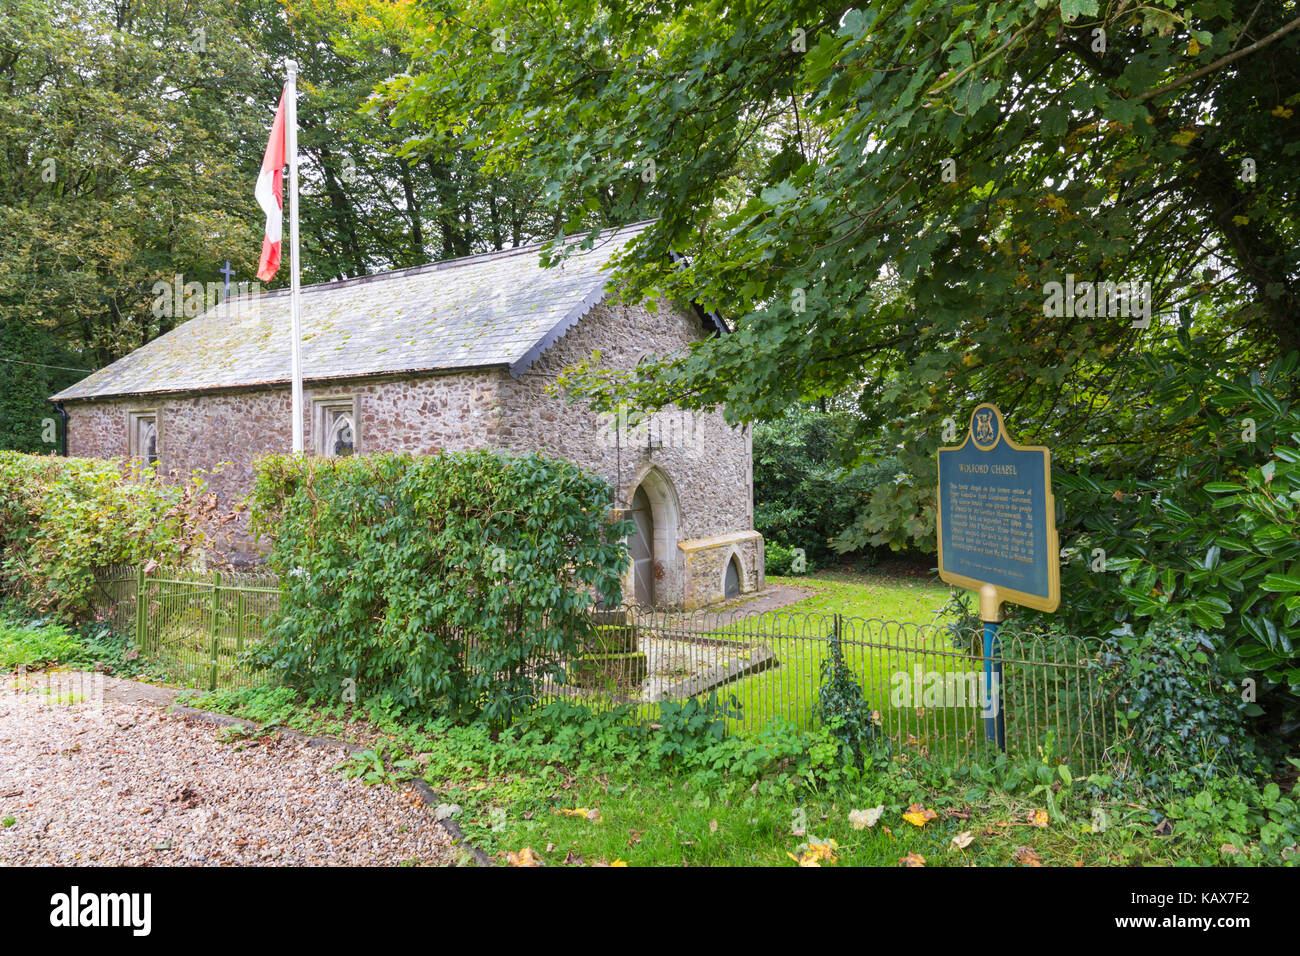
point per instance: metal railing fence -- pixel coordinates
(923, 684)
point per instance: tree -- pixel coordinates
(927, 171)
(132, 136)
(119, 128)
(804, 496)
(891, 201)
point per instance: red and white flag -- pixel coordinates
(270, 194)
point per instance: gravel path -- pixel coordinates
(117, 783)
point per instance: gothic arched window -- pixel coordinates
(336, 429)
(339, 440)
(144, 437)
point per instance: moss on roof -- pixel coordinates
(498, 309)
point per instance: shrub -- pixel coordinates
(455, 583)
(687, 725)
(841, 706)
(779, 560)
(62, 519)
(1182, 719)
(805, 494)
(960, 619)
(1214, 539)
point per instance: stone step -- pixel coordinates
(611, 639)
(609, 671)
(606, 616)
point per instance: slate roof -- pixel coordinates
(496, 309)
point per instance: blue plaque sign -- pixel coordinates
(997, 519)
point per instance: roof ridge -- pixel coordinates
(430, 266)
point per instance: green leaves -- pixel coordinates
(63, 520)
(1175, 692)
(1214, 538)
(824, 171)
(843, 709)
(1073, 9)
(456, 584)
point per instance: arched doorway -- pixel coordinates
(657, 575)
(641, 545)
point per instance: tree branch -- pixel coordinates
(1221, 62)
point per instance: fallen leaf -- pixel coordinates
(1038, 818)
(862, 819)
(963, 839)
(591, 814)
(918, 816)
(525, 857)
(815, 853)
(186, 797)
(1026, 856)
(912, 859)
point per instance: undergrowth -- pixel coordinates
(571, 786)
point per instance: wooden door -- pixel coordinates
(641, 545)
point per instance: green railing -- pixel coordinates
(923, 683)
(202, 628)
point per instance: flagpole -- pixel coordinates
(291, 147)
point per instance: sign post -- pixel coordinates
(995, 726)
(997, 536)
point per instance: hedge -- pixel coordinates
(453, 584)
(63, 519)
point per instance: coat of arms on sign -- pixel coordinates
(985, 429)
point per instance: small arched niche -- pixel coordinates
(732, 579)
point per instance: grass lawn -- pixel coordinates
(925, 688)
(870, 595)
(672, 823)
